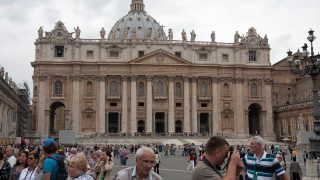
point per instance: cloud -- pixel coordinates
(286, 23)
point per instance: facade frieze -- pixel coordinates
(159, 69)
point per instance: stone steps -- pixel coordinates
(177, 141)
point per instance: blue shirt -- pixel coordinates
(50, 165)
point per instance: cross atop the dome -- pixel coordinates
(137, 5)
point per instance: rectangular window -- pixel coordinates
(203, 56)
(252, 56)
(114, 54)
(177, 53)
(140, 53)
(59, 51)
(178, 104)
(90, 54)
(141, 104)
(204, 105)
(225, 57)
(113, 104)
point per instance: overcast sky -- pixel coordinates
(286, 22)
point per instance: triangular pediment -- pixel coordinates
(160, 57)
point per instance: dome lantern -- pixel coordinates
(137, 5)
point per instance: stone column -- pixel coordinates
(76, 102)
(41, 121)
(186, 105)
(171, 105)
(149, 123)
(268, 125)
(215, 107)
(119, 121)
(102, 104)
(210, 125)
(153, 122)
(239, 107)
(198, 123)
(133, 116)
(166, 122)
(194, 118)
(107, 122)
(124, 105)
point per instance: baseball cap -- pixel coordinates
(47, 142)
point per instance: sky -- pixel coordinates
(286, 23)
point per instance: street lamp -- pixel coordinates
(309, 65)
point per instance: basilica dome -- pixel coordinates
(137, 25)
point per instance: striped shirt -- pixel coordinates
(264, 168)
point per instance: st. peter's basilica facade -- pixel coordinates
(138, 79)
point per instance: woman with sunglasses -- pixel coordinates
(29, 172)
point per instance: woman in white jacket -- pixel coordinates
(103, 169)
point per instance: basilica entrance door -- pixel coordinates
(141, 126)
(204, 123)
(178, 126)
(159, 122)
(113, 123)
(57, 118)
(254, 119)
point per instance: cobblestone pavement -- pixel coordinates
(174, 167)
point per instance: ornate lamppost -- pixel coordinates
(309, 65)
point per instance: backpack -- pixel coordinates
(62, 173)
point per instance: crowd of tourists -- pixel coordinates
(214, 160)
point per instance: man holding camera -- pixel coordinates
(217, 150)
(259, 164)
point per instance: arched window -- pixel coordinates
(113, 88)
(254, 90)
(141, 89)
(203, 89)
(178, 89)
(58, 87)
(89, 88)
(160, 88)
(226, 89)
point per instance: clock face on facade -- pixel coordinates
(59, 34)
(252, 40)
